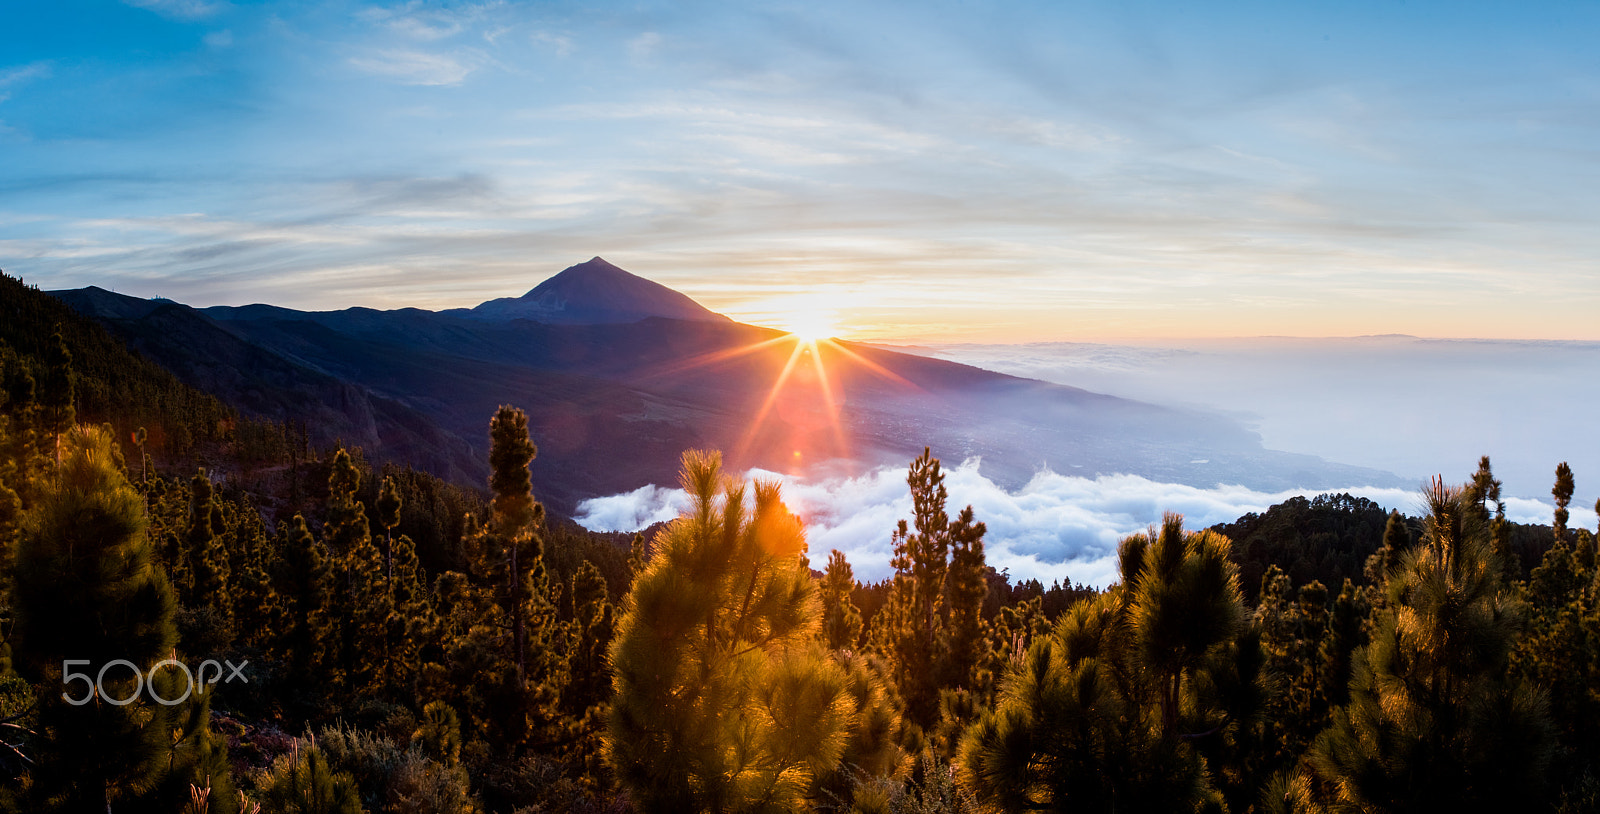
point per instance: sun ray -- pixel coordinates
(872, 366)
(772, 397)
(715, 357)
(835, 420)
(790, 421)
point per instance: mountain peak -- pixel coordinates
(597, 292)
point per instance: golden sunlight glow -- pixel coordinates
(811, 326)
(812, 314)
(800, 419)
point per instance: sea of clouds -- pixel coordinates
(1055, 527)
(1414, 407)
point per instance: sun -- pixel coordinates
(811, 326)
(802, 415)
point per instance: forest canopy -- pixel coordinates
(197, 621)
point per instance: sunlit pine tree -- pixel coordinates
(1483, 491)
(13, 477)
(966, 586)
(256, 607)
(1105, 712)
(304, 580)
(1434, 723)
(87, 589)
(724, 699)
(205, 591)
(303, 782)
(412, 624)
(509, 653)
(361, 590)
(399, 591)
(841, 619)
(589, 631)
(1560, 649)
(388, 507)
(914, 630)
(593, 625)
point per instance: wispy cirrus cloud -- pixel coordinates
(1104, 172)
(645, 45)
(413, 67)
(562, 44)
(21, 75)
(182, 9)
(429, 23)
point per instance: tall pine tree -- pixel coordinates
(1105, 713)
(724, 699)
(930, 628)
(89, 602)
(1434, 722)
(841, 619)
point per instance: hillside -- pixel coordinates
(111, 384)
(612, 403)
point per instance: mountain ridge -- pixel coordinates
(613, 404)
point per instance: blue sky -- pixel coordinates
(930, 170)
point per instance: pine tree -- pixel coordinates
(302, 782)
(395, 592)
(1484, 492)
(841, 620)
(1433, 722)
(304, 579)
(56, 391)
(439, 733)
(257, 608)
(1384, 562)
(921, 556)
(593, 626)
(1558, 649)
(589, 631)
(515, 544)
(1346, 632)
(412, 623)
(360, 588)
(1292, 627)
(1103, 714)
(638, 556)
(872, 752)
(207, 556)
(724, 700)
(517, 518)
(87, 590)
(13, 477)
(922, 622)
(388, 507)
(966, 586)
(1562, 492)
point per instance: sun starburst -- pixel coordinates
(799, 419)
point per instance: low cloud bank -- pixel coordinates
(1411, 406)
(1056, 527)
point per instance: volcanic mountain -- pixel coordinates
(619, 375)
(594, 293)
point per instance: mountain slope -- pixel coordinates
(274, 385)
(111, 384)
(612, 404)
